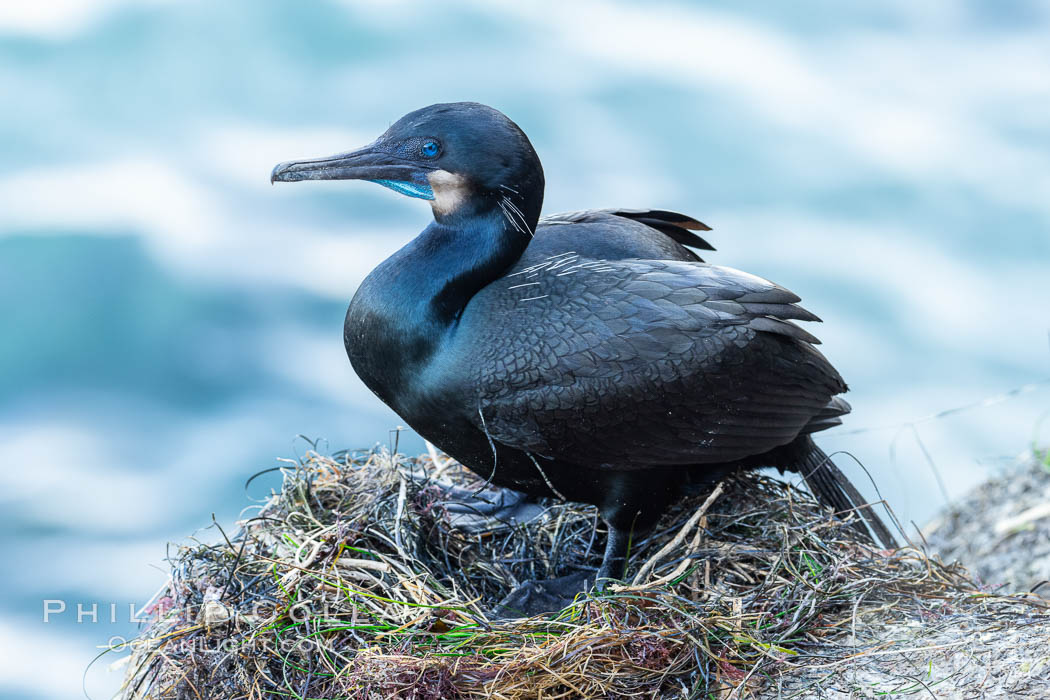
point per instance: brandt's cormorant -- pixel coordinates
(589, 356)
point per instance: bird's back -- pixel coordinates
(592, 350)
(617, 234)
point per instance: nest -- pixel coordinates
(354, 582)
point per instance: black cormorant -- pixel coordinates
(590, 356)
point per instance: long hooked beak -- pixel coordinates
(368, 163)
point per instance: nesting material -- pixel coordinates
(351, 583)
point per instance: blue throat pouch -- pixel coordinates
(407, 188)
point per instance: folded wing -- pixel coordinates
(641, 362)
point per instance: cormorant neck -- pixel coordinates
(425, 286)
(463, 254)
(470, 244)
(405, 307)
(410, 301)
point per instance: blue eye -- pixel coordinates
(429, 149)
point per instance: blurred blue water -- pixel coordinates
(172, 322)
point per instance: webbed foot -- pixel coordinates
(539, 597)
(489, 509)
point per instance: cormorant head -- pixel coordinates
(465, 157)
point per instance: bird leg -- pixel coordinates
(614, 562)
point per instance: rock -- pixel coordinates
(1000, 531)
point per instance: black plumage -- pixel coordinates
(592, 355)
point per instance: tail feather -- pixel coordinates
(829, 416)
(832, 488)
